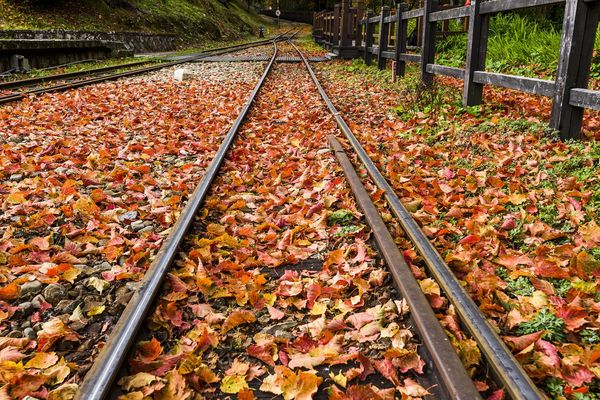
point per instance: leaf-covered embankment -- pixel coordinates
(513, 211)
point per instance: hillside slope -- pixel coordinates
(192, 20)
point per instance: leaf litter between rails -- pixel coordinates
(226, 326)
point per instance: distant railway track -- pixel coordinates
(18, 90)
(444, 375)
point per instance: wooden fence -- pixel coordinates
(352, 32)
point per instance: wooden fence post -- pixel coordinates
(368, 37)
(336, 25)
(384, 35)
(317, 26)
(428, 48)
(345, 24)
(476, 53)
(574, 64)
(360, 14)
(401, 37)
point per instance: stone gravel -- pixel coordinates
(213, 72)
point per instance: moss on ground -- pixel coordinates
(191, 20)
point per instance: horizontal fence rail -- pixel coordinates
(357, 32)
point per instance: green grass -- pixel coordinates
(340, 217)
(194, 21)
(517, 44)
(544, 320)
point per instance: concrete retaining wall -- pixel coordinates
(135, 41)
(42, 53)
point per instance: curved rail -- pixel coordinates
(98, 381)
(505, 368)
(72, 85)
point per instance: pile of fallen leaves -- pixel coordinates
(91, 180)
(513, 211)
(278, 291)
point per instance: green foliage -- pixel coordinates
(586, 396)
(554, 387)
(349, 230)
(548, 213)
(582, 167)
(521, 286)
(502, 273)
(561, 286)
(192, 20)
(420, 99)
(518, 44)
(544, 321)
(590, 336)
(340, 217)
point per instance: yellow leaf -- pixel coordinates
(285, 382)
(141, 379)
(42, 360)
(70, 274)
(518, 199)
(590, 231)
(236, 318)
(58, 373)
(233, 384)
(96, 310)
(270, 298)
(583, 286)
(538, 299)
(85, 205)
(77, 316)
(16, 198)
(340, 379)
(429, 286)
(318, 308)
(64, 392)
(97, 283)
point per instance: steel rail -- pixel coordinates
(453, 380)
(99, 380)
(57, 77)
(504, 367)
(72, 85)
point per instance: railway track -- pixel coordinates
(500, 361)
(442, 372)
(17, 90)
